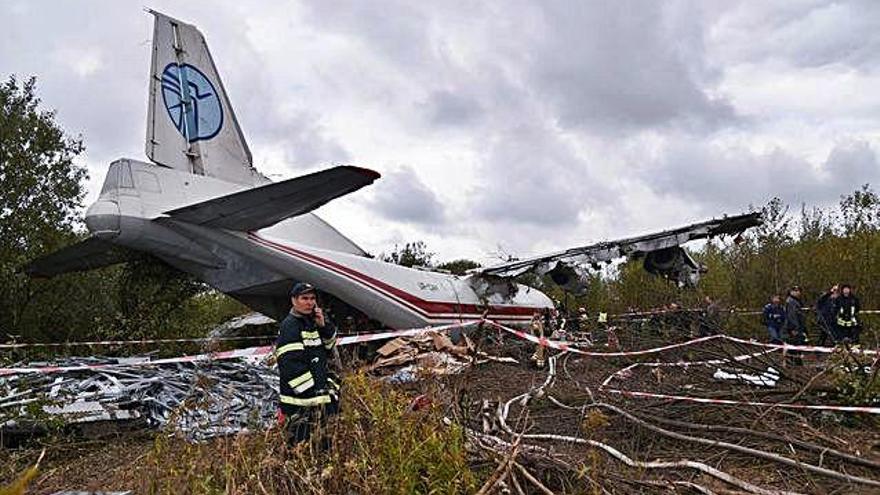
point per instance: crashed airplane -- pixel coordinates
(200, 206)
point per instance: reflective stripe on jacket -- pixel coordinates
(302, 352)
(846, 309)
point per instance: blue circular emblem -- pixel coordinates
(192, 102)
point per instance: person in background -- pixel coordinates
(583, 320)
(846, 309)
(795, 328)
(826, 318)
(710, 319)
(559, 324)
(548, 318)
(774, 319)
(537, 325)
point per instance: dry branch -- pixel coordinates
(739, 448)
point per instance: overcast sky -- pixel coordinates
(497, 125)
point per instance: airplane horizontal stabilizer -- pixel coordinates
(267, 205)
(84, 255)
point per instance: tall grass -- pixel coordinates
(378, 445)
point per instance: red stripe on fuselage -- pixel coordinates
(426, 308)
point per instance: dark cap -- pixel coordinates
(301, 288)
(794, 288)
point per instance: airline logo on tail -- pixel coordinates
(192, 102)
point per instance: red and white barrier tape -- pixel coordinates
(563, 346)
(685, 398)
(236, 353)
(804, 348)
(216, 356)
(22, 345)
(352, 339)
(745, 312)
(348, 339)
(368, 337)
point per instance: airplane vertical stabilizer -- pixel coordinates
(190, 122)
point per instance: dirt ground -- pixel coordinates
(574, 404)
(580, 376)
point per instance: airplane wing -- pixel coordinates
(84, 255)
(267, 205)
(661, 251)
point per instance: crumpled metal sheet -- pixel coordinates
(198, 400)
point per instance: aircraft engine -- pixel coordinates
(568, 278)
(673, 263)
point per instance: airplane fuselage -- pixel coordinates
(258, 267)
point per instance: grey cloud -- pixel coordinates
(613, 66)
(446, 108)
(540, 96)
(401, 196)
(603, 66)
(532, 176)
(93, 89)
(732, 178)
(395, 29)
(302, 138)
(807, 34)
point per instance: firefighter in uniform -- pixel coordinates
(309, 390)
(537, 325)
(846, 308)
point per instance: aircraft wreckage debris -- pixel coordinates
(201, 397)
(199, 401)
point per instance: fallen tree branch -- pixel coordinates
(502, 471)
(534, 481)
(666, 484)
(699, 466)
(739, 448)
(515, 482)
(771, 436)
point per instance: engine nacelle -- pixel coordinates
(673, 263)
(568, 278)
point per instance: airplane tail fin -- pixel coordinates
(190, 123)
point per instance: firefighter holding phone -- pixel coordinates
(309, 391)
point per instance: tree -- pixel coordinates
(42, 186)
(458, 267)
(410, 255)
(41, 190)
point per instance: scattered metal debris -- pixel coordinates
(765, 379)
(200, 401)
(198, 398)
